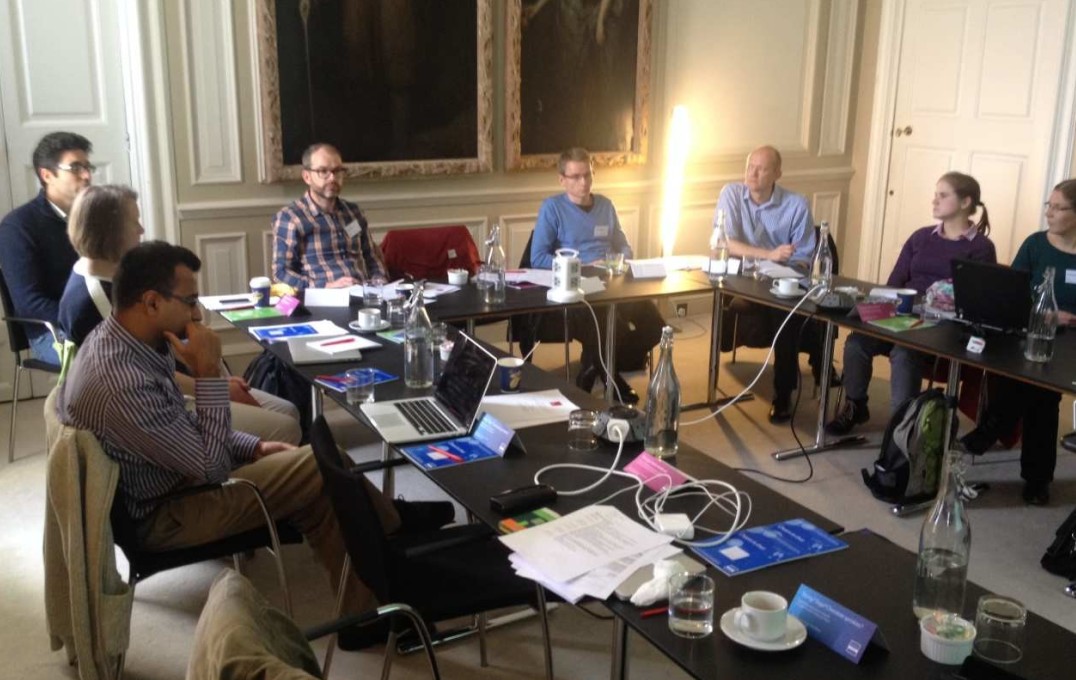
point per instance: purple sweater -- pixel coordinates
(926, 257)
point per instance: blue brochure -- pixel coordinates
(758, 547)
(834, 625)
(490, 439)
(338, 382)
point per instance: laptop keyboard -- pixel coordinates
(425, 417)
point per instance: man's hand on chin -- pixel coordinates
(265, 448)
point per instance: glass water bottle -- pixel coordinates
(663, 403)
(1042, 326)
(941, 571)
(719, 248)
(418, 343)
(822, 265)
(496, 263)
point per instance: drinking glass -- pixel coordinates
(691, 605)
(360, 385)
(371, 291)
(999, 629)
(581, 424)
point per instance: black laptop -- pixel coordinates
(993, 297)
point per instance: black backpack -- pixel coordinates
(270, 374)
(1060, 557)
(910, 460)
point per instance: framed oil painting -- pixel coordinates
(577, 73)
(401, 88)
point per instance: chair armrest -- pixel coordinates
(470, 533)
(379, 465)
(244, 483)
(35, 322)
(390, 609)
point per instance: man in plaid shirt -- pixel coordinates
(321, 240)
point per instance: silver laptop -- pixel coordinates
(452, 408)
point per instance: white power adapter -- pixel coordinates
(675, 524)
(617, 429)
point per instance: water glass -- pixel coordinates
(999, 624)
(581, 435)
(371, 292)
(484, 281)
(360, 385)
(614, 262)
(395, 312)
(691, 605)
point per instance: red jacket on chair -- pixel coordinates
(430, 252)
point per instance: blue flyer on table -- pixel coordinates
(338, 382)
(490, 439)
(834, 625)
(758, 547)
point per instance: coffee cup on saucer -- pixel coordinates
(369, 318)
(763, 615)
(787, 286)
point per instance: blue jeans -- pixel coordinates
(42, 348)
(906, 368)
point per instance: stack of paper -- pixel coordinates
(588, 552)
(527, 409)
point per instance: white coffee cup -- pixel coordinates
(762, 615)
(369, 317)
(788, 286)
(457, 277)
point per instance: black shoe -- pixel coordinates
(585, 379)
(416, 516)
(354, 638)
(852, 413)
(781, 409)
(1036, 493)
(627, 394)
(834, 378)
(978, 440)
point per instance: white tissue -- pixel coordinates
(657, 588)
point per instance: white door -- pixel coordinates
(60, 69)
(977, 90)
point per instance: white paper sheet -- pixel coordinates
(778, 271)
(591, 284)
(527, 409)
(582, 541)
(647, 269)
(541, 277)
(327, 297)
(218, 303)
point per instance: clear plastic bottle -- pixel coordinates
(1042, 326)
(418, 343)
(497, 264)
(719, 248)
(822, 265)
(941, 572)
(663, 403)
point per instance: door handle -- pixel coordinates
(906, 130)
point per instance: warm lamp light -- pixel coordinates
(675, 160)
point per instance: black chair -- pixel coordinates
(443, 574)
(529, 329)
(19, 342)
(145, 563)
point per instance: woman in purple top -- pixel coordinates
(926, 257)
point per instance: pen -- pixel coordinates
(656, 611)
(341, 341)
(446, 454)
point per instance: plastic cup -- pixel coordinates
(259, 286)
(691, 605)
(511, 369)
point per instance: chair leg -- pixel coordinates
(341, 591)
(568, 346)
(483, 651)
(543, 616)
(390, 654)
(237, 562)
(735, 327)
(14, 407)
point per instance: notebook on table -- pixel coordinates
(991, 296)
(450, 411)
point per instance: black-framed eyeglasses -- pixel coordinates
(77, 168)
(1053, 207)
(326, 173)
(189, 300)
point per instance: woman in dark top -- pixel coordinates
(1010, 400)
(925, 258)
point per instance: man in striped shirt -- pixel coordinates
(321, 240)
(121, 387)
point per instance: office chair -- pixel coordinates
(442, 574)
(429, 253)
(19, 342)
(239, 635)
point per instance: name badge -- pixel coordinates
(352, 228)
(1070, 276)
(837, 627)
(601, 231)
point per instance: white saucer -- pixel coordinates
(785, 296)
(354, 325)
(795, 634)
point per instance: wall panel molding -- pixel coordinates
(837, 92)
(212, 95)
(826, 207)
(224, 262)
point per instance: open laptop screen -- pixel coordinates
(993, 296)
(465, 379)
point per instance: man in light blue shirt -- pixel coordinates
(587, 222)
(767, 222)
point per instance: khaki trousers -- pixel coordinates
(292, 488)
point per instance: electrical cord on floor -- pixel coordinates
(601, 359)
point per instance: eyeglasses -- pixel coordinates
(77, 168)
(578, 178)
(326, 173)
(189, 300)
(1053, 207)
